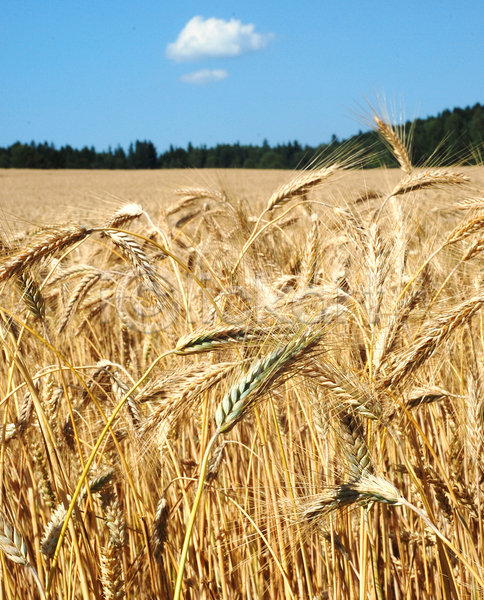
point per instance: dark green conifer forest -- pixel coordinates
(451, 136)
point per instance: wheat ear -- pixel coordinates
(124, 215)
(159, 533)
(207, 340)
(86, 283)
(433, 333)
(45, 243)
(396, 145)
(427, 179)
(300, 186)
(264, 372)
(309, 265)
(31, 295)
(13, 545)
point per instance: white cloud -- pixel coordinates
(204, 76)
(215, 38)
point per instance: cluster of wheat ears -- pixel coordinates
(216, 403)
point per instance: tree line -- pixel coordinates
(450, 136)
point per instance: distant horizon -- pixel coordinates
(114, 147)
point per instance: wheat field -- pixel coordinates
(243, 385)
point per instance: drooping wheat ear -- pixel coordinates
(309, 267)
(427, 395)
(181, 397)
(349, 391)
(45, 243)
(31, 295)
(474, 249)
(111, 573)
(465, 229)
(362, 490)
(367, 195)
(80, 292)
(63, 273)
(191, 195)
(52, 531)
(440, 489)
(427, 179)
(138, 260)
(396, 145)
(206, 340)
(470, 203)
(99, 483)
(187, 218)
(215, 462)
(125, 214)
(252, 384)
(355, 449)
(300, 186)
(159, 533)
(433, 333)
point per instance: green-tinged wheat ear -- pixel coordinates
(214, 339)
(31, 295)
(356, 449)
(252, 384)
(12, 543)
(98, 484)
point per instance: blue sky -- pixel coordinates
(109, 72)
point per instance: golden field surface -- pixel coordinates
(242, 384)
(40, 196)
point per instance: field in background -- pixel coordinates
(291, 366)
(41, 197)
